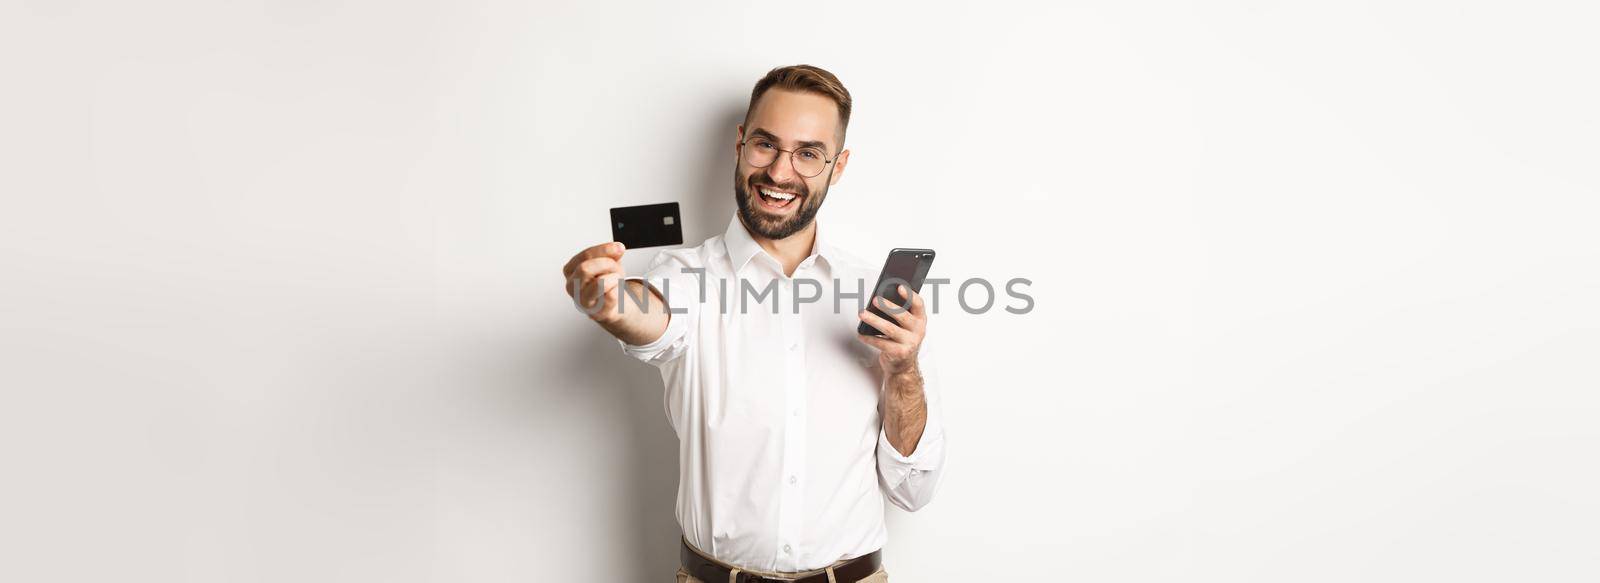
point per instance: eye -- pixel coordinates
(811, 154)
(765, 145)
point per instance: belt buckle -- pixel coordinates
(748, 578)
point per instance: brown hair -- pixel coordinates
(805, 79)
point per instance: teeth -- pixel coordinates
(776, 194)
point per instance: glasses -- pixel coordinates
(762, 152)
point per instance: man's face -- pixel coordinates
(788, 120)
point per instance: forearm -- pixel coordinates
(634, 323)
(905, 410)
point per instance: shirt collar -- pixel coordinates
(741, 247)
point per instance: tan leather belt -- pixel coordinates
(712, 571)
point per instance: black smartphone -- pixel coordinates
(906, 267)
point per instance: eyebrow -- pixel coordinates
(804, 144)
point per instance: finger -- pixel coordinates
(917, 320)
(916, 305)
(588, 290)
(887, 304)
(596, 267)
(600, 306)
(900, 315)
(592, 270)
(910, 317)
(602, 285)
(594, 288)
(608, 301)
(889, 329)
(612, 249)
(875, 342)
(584, 275)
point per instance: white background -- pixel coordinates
(279, 282)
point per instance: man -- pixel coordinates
(792, 427)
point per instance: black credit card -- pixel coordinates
(650, 225)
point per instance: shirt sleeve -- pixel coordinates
(910, 481)
(681, 291)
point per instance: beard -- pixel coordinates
(745, 194)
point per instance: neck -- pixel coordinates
(791, 250)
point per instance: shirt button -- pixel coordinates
(795, 413)
(792, 479)
(794, 346)
(786, 549)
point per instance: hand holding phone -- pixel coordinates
(908, 267)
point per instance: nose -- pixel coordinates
(782, 169)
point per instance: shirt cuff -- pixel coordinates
(927, 457)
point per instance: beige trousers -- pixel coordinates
(880, 577)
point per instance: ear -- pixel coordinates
(838, 167)
(739, 137)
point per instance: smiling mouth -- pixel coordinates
(776, 199)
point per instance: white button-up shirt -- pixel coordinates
(783, 461)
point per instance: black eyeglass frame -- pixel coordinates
(825, 161)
